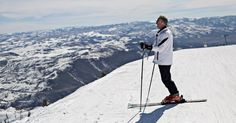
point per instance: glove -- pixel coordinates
(145, 46)
(142, 45)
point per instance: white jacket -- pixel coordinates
(163, 47)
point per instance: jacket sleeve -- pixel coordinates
(160, 44)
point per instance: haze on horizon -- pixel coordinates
(28, 15)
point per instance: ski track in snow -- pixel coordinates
(199, 73)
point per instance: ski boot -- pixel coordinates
(172, 99)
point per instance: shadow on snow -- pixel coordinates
(154, 116)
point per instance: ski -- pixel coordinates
(160, 103)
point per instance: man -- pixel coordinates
(163, 48)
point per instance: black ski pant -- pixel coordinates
(166, 79)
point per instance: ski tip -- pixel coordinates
(129, 106)
(204, 100)
(198, 100)
(194, 100)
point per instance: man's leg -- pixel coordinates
(166, 79)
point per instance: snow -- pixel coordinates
(91, 34)
(24, 56)
(12, 114)
(199, 73)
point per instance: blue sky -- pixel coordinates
(27, 15)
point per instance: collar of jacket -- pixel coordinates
(162, 29)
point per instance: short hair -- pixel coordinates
(163, 18)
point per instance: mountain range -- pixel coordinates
(50, 64)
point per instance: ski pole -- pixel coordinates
(150, 85)
(141, 88)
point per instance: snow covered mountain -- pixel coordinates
(198, 73)
(48, 65)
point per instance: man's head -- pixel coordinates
(161, 22)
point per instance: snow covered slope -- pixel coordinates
(199, 73)
(34, 65)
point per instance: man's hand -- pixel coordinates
(142, 45)
(145, 46)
